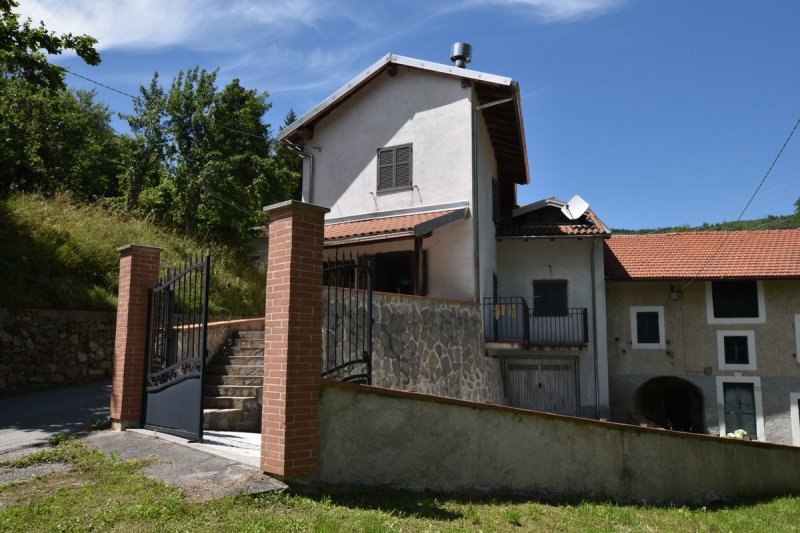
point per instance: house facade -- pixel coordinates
(703, 332)
(416, 161)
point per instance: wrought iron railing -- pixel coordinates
(511, 319)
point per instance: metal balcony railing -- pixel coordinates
(511, 319)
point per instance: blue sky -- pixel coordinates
(657, 112)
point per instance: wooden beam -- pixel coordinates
(417, 262)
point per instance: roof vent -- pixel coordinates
(461, 54)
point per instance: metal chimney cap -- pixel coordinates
(461, 54)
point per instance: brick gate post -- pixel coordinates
(293, 340)
(138, 272)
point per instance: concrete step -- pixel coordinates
(235, 370)
(248, 343)
(227, 379)
(239, 360)
(256, 334)
(236, 351)
(232, 390)
(226, 420)
(228, 402)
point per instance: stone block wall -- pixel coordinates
(42, 349)
(426, 345)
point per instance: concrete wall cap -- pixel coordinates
(298, 205)
(131, 247)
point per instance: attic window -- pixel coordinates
(394, 168)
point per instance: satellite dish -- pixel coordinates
(575, 208)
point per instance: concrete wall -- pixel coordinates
(42, 349)
(520, 262)
(487, 169)
(427, 345)
(382, 438)
(691, 350)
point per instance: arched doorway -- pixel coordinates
(672, 403)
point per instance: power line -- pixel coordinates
(739, 218)
(54, 12)
(133, 97)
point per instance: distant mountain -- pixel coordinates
(769, 222)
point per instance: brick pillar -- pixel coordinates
(138, 272)
(293, 340)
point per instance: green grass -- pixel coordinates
(57, 255)
(100, 493)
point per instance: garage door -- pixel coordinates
(542, 384)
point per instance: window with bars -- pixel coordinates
(394, 167)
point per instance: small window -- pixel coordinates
(550, 297)
(394, 168)
(647, 327)
(735, 299)
(736, 350)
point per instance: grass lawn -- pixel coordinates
(100, 493)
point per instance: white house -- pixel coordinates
(419, 163)
(416, 161)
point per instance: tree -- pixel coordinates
(290, 160)
(55, 141)
(215, 153)
(24, 49)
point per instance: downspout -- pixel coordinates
(594, 334)
(299, 151)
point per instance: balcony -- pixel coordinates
(511, 320)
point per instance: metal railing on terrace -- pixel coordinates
(512, 319)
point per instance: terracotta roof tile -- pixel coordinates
(389, 226)
(590, 226)
(704, 255)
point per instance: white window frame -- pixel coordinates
(794, 412)
(662, 344)
(762, 312)
(751, 349)
(797, 337)
(756, 381)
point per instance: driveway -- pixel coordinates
(29, 420)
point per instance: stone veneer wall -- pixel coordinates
(45, 348)
(432, 346)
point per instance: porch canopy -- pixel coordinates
(376, 228)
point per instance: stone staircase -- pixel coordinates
(233, 383)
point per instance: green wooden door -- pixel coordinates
(740, 408)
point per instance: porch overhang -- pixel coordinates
(386, 228)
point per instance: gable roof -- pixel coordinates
(544, 218)
(704, 255)
(504, 122)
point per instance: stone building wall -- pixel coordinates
(42, 349)
(426, 345)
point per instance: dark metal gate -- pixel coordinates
(348, 320)
(177, 323)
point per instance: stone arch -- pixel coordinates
(672, 403)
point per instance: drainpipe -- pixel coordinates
(476, 195)
(594, 334)
(299, 151)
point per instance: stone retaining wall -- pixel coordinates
(42, 349)
(425, 345)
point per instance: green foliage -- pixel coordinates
(58, 255)
(56, 141)
(202, 159)
(103, 493)
(768, 222)
(24, 49)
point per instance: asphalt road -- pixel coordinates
(30, 420)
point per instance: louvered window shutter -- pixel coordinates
(394, 167)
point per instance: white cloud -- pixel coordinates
(547, 10)
(201, 24)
